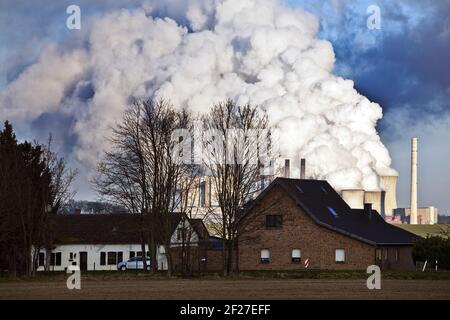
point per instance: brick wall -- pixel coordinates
(214, 260)
(200, 259)
(299, 231)
(192, 258)
(398, 258)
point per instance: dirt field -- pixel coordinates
(227, 289)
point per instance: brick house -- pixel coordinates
(296, 221)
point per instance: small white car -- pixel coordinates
(133, 264)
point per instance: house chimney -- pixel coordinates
(302, 168)
(286, 168)
(413, 215)
(368, 210)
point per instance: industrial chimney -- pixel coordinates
(302, 168)
(286, 168)
(413, 215)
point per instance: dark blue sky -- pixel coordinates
(404, 66)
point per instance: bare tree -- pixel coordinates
(123, 174)
(233, 140)
(143, 173)
(189, 206)
(62, 178)
(171, 177)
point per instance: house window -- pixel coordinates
(119, 256)
(112, 258)
(181, 234)
(102, 258)
(132, 254)
(265, 256)
(378, 254)
(339, 255)
(202, 194)
(274, 221)
(296, 255)
(177, 198)
(55, 259)
(41, 259)
(213, 195)
(139, 253)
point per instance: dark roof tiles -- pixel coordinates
(326, 207)
(101, 228)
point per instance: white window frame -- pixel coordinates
(339, 255)
(296, 255)
(265, 255)
(55, 264)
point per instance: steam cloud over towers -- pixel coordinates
(252, 51)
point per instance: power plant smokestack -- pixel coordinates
(286, 168)
(413, 214)
(302, 168)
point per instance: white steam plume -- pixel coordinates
(256, 51)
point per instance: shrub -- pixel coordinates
(432, 249)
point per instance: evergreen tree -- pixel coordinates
(31, 180)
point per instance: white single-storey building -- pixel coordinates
(100, 241)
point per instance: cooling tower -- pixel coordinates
(376, 199)
(354, 198)
(389, 185)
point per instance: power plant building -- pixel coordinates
(425, 215)
(383, 200)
